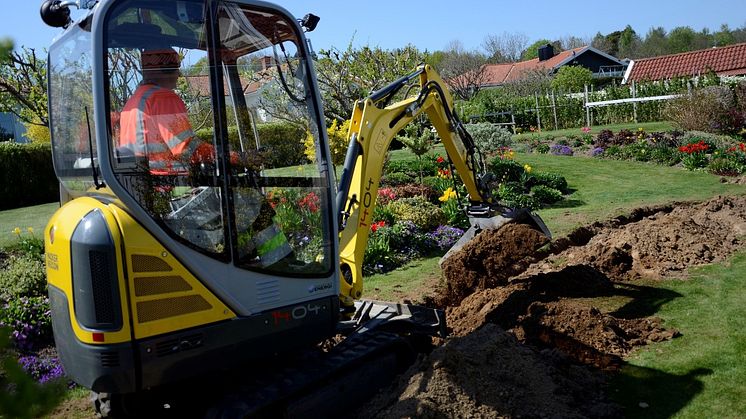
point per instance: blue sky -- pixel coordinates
(432, 25)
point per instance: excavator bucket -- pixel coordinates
(478, 224)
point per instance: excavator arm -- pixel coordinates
(374, 125)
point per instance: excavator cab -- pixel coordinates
(184, 249)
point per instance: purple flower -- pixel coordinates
(42, 368)
(560, 150)
(445, 236)
(597, 151)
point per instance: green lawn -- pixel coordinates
(607, 188)
(35, 217)
(647, 126)
(700, 374)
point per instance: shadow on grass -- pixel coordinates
(567, 203)
(645, 301)
(650, 393)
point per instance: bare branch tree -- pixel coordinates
(505, 48)
(464, 71)
(572, 42)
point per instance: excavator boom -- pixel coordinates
(374, 124)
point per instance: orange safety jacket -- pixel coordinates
(154, 124)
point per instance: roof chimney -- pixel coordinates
(546, 52)
(266, 62)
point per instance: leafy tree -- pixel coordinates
(629, 43)
(572, 78)
(23, 85)
(418, 141)
(724, 36)
(354, 73)
(655, 43)
(681, 39)
(532, 51)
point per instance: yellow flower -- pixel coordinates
(30, 230)
(17, 231)
(447, 194)
(527, 168)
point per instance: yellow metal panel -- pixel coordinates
(59, 267)
(185, 306)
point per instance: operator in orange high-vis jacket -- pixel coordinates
(154, 122)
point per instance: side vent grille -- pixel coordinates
(148, 311)
(109, 359)
(180, 344)
(147, 263)
(101, 284)
(268, 291)
(154, 285)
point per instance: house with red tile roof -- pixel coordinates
(600, 63)
(723, 61)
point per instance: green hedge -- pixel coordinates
(26, 175)
(282, 141)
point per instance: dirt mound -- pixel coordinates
(489, 374)
(526, 338)
(587, 335)
(664, 244)
(489, 260)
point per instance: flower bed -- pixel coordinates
(692, 150)
(413, 220)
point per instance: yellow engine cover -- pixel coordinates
(158, 294)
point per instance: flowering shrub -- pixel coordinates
(425, 215)
(505, 170)
(30, 322)
(22, 276)
(490, 138)
(386, 195)
(27, 244)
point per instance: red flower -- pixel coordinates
(440, 159)
(310, 202)
(742, 147)
(375, 226)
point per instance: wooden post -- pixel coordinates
(587, 109)
(634, 104)
(554, 111)
(538, 114)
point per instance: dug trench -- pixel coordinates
(526, 339)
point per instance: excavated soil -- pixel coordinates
(526, 340)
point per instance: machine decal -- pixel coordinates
(367, 202)
(296, 313)
(52, 261)
(319, 287)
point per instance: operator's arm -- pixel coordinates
(373, 127)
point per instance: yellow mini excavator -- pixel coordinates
(229, 251)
